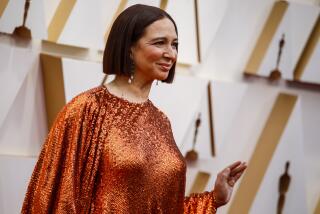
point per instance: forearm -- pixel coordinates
(200, 203)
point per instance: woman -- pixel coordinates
(110, 149)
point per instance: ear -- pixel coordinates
(132, 50)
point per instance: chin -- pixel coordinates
(162, 77)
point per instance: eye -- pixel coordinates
(159, 43)
(175, 45)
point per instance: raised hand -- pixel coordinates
(226, 180)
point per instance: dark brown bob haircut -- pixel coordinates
(126, 30)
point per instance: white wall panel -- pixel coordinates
(211, 14)
(83, 27)
(180, 101)
(107, 12)
(80, 76)
(227, 98)
(182, 11)
(13, 73)
(310, 2)
(311, 135)
(312, 70)
(155, 3)
(15, 174)
(24, 125)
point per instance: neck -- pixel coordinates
(136, 91)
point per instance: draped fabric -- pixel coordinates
(105, 154)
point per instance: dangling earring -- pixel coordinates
(130, 80)
(157, 82)
(132, 67)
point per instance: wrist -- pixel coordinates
(217, 203)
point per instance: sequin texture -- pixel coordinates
(104, 154)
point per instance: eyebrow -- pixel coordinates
(163, 38)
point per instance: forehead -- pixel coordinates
(161, 28)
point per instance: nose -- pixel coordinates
(170, 53)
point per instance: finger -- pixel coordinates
(238, 172)
(234, 165)
(231, 182)
(238, 169)
(238, 175)
(225, 173)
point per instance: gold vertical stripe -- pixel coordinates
(317, 210)
(265, 38)
(53, 85)
(163, 4)
(200, 182)
(263, 153)
(59, 19)
(307, 51)
(121, 7)
(197, 29)
(3, 5)
(213, 152)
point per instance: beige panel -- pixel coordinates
(67, 51)
(211, 126)
(317, 210)
(53, 85)
(3, 5)
(200, 182)
(265, 38)
(263, 153)
(197, 29)
(60, 19)
(184, 66)
(163, 4)
(308, 51)
(121, 7)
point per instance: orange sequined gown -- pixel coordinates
(107, 155)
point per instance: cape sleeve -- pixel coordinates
(198, 203)
(64, 176)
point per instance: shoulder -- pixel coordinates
(160, 115)
(91, 98)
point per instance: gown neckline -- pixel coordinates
(125, 100)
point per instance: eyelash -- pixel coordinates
(162, 42)
(175, 45)
(159, 43)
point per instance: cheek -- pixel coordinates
(175, 56)
(153, 54)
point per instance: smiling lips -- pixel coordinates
(165, 66)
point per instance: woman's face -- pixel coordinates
(156, 51)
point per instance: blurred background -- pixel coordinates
(247, 87)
